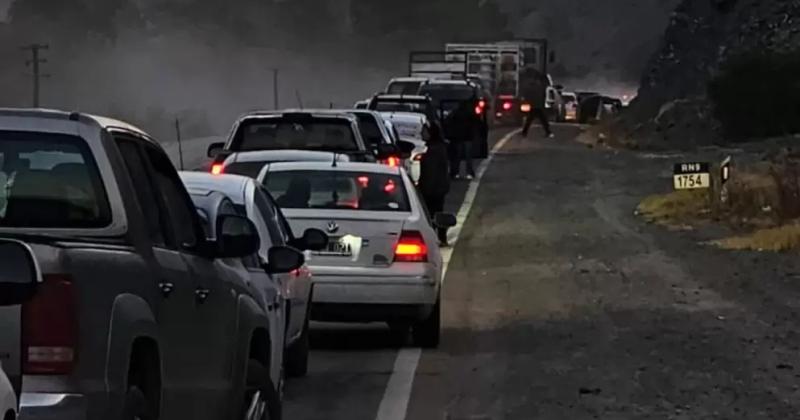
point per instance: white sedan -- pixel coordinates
(8, 399)
(383, 261)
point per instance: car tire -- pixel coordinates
(296, 357)
(261, 399)
(426, 332)
(136, 406)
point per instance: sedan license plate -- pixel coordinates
(337, 247)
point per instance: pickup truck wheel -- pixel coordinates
(426, 332)
(296, 358)
(136, 405)
(261, 399)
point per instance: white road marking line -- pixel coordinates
(394, 404)
(398, 390)
(469, 198)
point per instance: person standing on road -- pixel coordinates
(434, 177)
(462, 135)
(535, 91)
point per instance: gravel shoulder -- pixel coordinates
(561, 303)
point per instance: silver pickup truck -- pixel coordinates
(137, 314)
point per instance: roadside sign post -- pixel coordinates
(691, 176)
(724, 177)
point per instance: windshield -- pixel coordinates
(324, 134)
(342, 190)
(50, 181)
(403, 88)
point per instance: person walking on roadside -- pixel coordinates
(535, 91)
(434, 177)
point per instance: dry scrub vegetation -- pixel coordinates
(762, 207)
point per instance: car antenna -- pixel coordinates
(334, 165)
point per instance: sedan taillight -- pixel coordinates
(411, 247)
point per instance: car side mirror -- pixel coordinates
(215, 149)
(406, 148)
(444, 220)
(237, 237)
(384, 151)
(283, 259)
(20, 274)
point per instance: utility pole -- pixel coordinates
(275, 86)
(35, 61)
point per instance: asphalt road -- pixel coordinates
(559, 303)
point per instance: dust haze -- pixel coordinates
(207, 61)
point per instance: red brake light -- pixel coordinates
(411, 248)
(389, 187)
(50, 328)
(217, 168)
(507, 105)
(363, 181)
(418, 158)
(482, 103)
(525, 108)
(478, 110)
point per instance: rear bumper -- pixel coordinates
(359, 312)
(47, 406)
(376, 294)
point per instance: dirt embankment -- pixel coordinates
(673, 109)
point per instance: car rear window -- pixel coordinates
(248, 169)
(404, 88)
(325, 134)
(448, 92)
(338, 190)
(370, 131)
(50, 181)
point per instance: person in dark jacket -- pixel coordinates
(535, 91)
(462, 134)
(434, 177)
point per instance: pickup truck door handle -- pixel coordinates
(201, 295)
(166, 288)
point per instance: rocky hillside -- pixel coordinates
(673, 107)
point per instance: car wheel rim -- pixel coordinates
(256, 407)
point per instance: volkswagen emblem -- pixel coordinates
(333, 227)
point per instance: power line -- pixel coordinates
(35, 63)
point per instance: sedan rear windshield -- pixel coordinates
(338, 190)
(50, 181)
(325, 134)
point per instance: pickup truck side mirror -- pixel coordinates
(444, 220)
(20, 274)
(215, 149)
(406, 148)
(312, 240)
(283, 259)
(237, 237)
(385, 150)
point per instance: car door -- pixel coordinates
(269, 285)
(175, 311)
(213, 325)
